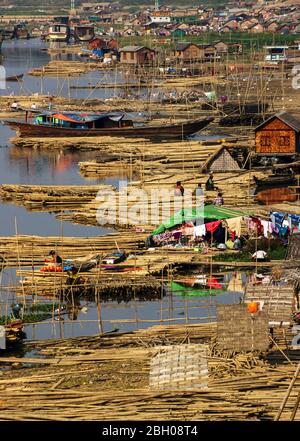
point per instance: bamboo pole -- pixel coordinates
(288, 392)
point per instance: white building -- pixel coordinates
(160, 20)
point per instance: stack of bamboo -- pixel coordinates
(76, 379)
(31, 250)
(66, 68)
(44, 197)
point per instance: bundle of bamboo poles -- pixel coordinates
(43, 197)
(94, 285)
(67, 68)
(22, 250)
(153, 336)
(84, 381)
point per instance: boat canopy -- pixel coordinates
(81, 117)
(207, 213)
(66, 118)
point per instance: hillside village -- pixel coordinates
(252, 17)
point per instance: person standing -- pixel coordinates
(179, 190)
(198, 190)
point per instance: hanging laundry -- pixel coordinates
(267, 226)
(211, 227)
(177, 235)
(235, 225)
(164, 237)
(188, 229)
(200, 230)
(294, 221)
(277, 218)
(212, 282)
(275, 229)
(284, 231)
(255, 224)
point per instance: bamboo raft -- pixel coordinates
(97, 286)
(153, 165)
(69, 69)
(45, 197)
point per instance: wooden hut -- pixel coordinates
(220, 161)
(221, 47)
(137, 55)
(188, 51)
(279, 135)
(101, 43)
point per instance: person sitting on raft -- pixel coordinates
(209, 185)
(219, 201)
(54, 258)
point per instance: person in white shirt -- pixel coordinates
(285, 222)
(14, 106)
(260, 256)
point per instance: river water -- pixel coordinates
(25, 166)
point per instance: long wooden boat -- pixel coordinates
(15, 77)
(274, 181)
(181, 289)
(27, 129)
(275, 195)
(22, 33)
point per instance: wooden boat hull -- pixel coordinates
(166, 132)
(280, 181)
(179, 289)
(275, 196)
(15, 77)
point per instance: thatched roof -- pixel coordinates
(229, 163)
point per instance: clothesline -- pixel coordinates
(279, 224)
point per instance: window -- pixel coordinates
(265, 141)
(132, 55)
(284, 141)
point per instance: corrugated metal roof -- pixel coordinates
(285, 117)
(182, 46)
(132, 48)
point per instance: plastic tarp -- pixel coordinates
(83, 117)
(209, 213)
(66, 118)
(178, 289)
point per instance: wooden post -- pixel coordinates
(295, 408)
(288, 392)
